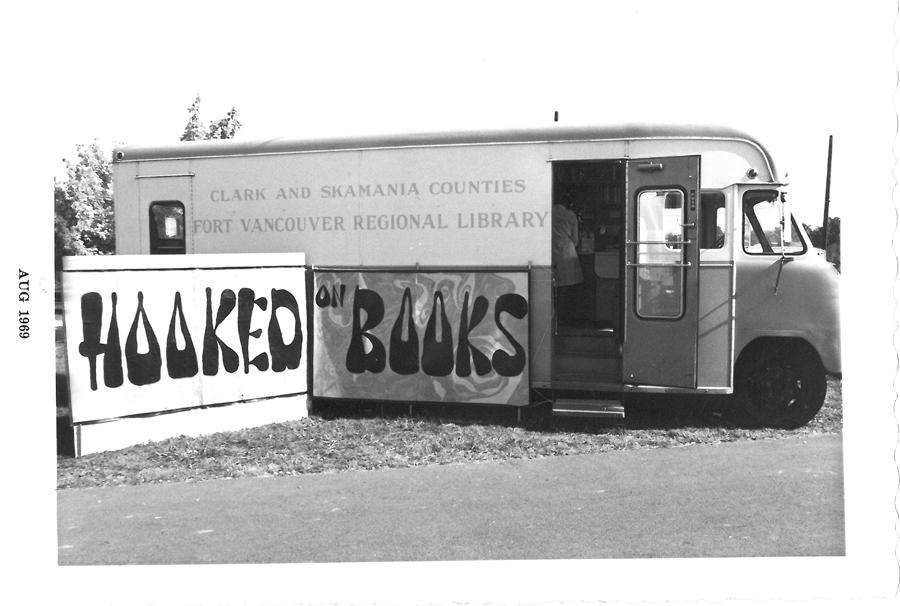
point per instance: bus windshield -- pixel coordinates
(763, 212)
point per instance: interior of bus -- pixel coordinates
(593, 193)
(588, 244)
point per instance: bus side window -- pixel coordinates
(167, 228)
(712, 219)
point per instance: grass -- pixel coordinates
(344, 437)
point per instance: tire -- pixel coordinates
(780, 384)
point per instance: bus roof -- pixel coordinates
(231, 147)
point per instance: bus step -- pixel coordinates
(611, 409)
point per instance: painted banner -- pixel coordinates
(147, 334)
(421, 336)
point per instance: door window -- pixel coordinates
(167, 228)
(660, 254)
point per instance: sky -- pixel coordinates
(777, 70)
(788, 72)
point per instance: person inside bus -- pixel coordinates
(566, 265)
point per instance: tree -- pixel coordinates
(833, 251)
(83, 203)
(223, 128)
(83, 224)
(194, 130)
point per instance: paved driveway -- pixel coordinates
(779, 497)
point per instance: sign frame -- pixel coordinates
(525, 271)
(147, 263)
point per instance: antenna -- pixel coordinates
(827, 199)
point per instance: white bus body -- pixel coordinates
(688, 284)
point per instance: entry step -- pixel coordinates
(612, 409)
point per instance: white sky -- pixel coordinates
(788, 72)
(778, 70)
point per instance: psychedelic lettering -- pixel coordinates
(144, 368)
(427, 336)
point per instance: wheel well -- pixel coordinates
(761, 344)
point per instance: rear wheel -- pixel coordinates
(780, 384)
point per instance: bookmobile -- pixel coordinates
(572, 266)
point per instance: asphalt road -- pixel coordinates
(768, 498)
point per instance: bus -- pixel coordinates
(567, 265)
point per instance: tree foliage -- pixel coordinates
(194, 129)
(225, 127)
(833, 250)
(84, 204)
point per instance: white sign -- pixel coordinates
(147, 334)
(384, 207)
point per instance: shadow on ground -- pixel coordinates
(65, 436)
(669, 412)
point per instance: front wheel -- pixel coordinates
(780, 384)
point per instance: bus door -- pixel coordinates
(661, 272)
(165, 202)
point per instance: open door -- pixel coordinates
(661, 272)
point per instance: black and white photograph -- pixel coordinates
(470, 303)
